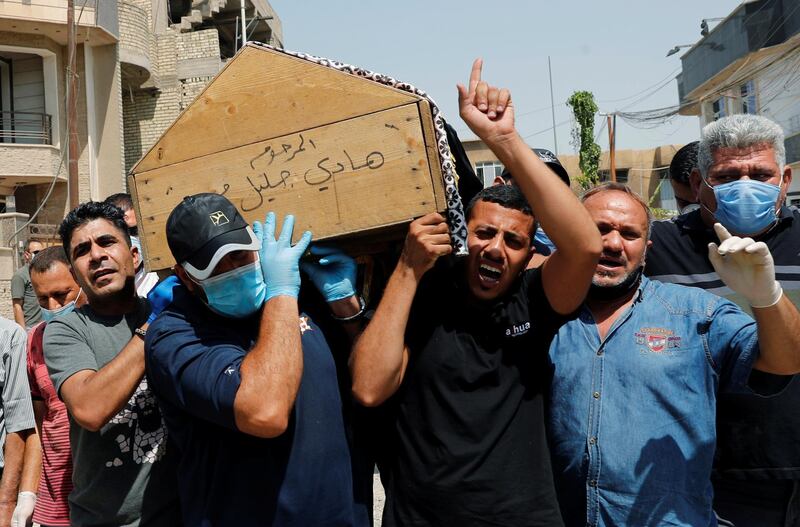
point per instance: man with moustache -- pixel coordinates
(636, 373)
(44, 497)
(741, 181)
(124, 472)
(455, 353)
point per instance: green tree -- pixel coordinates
(584, 108)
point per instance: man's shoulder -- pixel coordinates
(23, 272)
(74, 322)
(677, 298)
(10, 329)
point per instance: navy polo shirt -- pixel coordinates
(226, 477)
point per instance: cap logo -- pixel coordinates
(218, 218)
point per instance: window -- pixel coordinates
(718, 108)
(793, 199)
(792, 145)
(605, 175)
(747, 91)
(487, 171)
(665, 193)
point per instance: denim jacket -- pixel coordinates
(631, 417)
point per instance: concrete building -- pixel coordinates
(749, 63)
(139, 63)
(645, 171)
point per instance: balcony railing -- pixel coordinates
(26, 128)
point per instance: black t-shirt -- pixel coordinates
(466, 443)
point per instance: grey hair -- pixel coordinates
(740, 131)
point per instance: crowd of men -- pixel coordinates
(583, 365)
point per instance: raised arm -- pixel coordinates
(567, 274)
(271, 371)
(747, 267)
(380, 354)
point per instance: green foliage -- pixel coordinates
(658, 213)
(584, 108)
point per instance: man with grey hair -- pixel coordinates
(741, 181)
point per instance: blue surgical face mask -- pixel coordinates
(746, 206)
(238, 293)
(50, 314)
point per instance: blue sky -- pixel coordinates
(614, 48)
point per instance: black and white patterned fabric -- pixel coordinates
(455, 209)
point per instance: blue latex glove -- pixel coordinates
(279, 260)
(334, 274)
(161, 296)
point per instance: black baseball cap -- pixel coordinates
(203, 228)
(549, 159)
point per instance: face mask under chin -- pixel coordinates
(613, 292)
(50, 314)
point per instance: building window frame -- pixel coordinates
(488, 170)
(747, 98)
(719, 108)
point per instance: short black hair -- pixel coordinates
(683, 162)
(47, 258)
(89, 211)
(121, 199)
(508, 196)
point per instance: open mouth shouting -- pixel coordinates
(103, 276)
(610, 264)
(489, 274)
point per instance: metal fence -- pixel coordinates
(26, 128)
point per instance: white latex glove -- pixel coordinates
(26, 501)
(746, 266)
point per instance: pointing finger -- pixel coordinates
(722, 232)
(475, 75)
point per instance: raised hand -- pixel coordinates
(279, 260)
(746, 266)
(334, 274)
(428, 238)
(486, 109)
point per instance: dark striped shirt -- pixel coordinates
(757, 436)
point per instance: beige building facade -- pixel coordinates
(645, 171)
(139, 64)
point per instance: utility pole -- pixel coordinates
(612, 136)
(244, 25)
(552, 106)
(72, 108)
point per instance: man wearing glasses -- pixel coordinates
(741, 181)
(25, 304)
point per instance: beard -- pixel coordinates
(619, 288)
